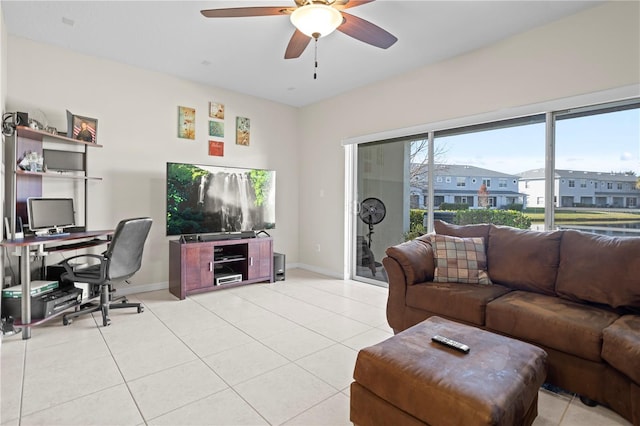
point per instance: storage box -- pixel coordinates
(37, 287)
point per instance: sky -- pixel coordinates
(598, 143)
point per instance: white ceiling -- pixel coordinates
(247, 54)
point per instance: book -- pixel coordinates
(37, 287)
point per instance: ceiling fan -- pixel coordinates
(315, 19)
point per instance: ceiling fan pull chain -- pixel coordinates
(315, 60)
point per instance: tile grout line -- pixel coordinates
(229, 386)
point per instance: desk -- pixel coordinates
(25, 244)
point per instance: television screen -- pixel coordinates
(211, 199)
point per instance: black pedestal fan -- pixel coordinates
(372, 212)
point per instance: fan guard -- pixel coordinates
(372, 211)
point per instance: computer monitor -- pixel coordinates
(50, 215)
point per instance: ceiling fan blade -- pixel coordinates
(347, 4)
(365, 31)
(297, 44)
(238, 12)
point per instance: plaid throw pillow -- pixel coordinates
(459, 260)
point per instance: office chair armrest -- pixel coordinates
(68, 269)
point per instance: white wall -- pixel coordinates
(137, 124)
(591, 51)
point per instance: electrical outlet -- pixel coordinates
(318, 248)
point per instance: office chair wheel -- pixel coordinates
(66, 321)
(140, 309)
(105, 316)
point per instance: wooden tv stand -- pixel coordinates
(194, 266)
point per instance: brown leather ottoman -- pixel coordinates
(409, 380)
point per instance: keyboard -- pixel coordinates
(60, 234)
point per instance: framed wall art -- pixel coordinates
(82, 128)
(186, 122)
(216, 149)
(243, 131)
(216, 129)
(216, 110)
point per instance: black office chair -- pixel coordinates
(122, 259)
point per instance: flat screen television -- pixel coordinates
(50, 214)
(205, 199)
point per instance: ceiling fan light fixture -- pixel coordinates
(316, 20)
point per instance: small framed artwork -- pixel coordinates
(216, 149)
(82, 128)
(243, 131)
(216, 129)
(186, 122)
(216, 110)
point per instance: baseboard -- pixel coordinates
(322, 271)
(125, 289)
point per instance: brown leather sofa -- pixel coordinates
(574, 294)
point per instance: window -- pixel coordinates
(572, 183)
(598, 143)
(610, 150)
(492, 148)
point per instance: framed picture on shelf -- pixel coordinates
(82, 128)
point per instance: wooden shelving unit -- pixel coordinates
(21, 184)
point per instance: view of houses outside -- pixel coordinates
(596, 176)
(463, 184)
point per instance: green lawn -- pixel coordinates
(596, 216)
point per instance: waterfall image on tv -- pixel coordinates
(211, 199)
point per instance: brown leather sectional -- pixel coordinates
(574, 294)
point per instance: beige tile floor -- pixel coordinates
(279, 353)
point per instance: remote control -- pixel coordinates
(451, 343)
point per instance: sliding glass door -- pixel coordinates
(571, 169)
(380, 214)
